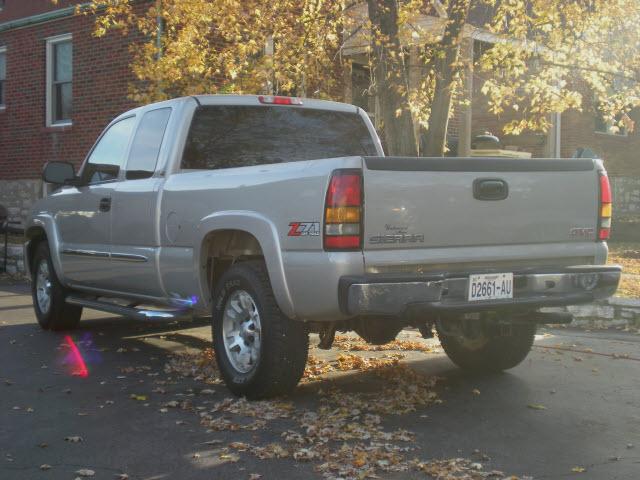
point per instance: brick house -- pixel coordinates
(59, 87)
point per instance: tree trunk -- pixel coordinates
(391, 79)
(446, 66)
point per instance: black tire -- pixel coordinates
(59, 315)
(378, 330)
(284, 343)
(490, 350)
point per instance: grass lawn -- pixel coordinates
(627, 254)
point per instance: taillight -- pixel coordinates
(343, 211)
(604, 223)
(277, 100)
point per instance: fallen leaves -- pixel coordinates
(73, 439)
(201, 367)
(536, 406)
(578, 469)
(85, 472)
(354, 344)
(343, 434)
(458, 469)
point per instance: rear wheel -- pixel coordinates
(48, 294)
(481, 346)
(260, 352)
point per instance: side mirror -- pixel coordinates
(59, 173)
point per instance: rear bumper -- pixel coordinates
(394, 295)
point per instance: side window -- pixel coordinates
(59, 80)
(107, 156)
(146, 144)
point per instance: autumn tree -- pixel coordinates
(445, 68)
(555, 55)
(221, 46)
(546, 57)
(389, 66)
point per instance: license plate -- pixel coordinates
(491, 286)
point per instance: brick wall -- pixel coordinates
(16, 9)
(100, 79)
(620, 153)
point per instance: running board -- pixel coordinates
(132, 312)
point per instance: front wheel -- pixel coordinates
(480, 346)
(48, 294)
(260, 352)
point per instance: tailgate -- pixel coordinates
(421, 203)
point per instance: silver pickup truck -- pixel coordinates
(281, 216)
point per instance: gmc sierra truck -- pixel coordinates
(280, 216)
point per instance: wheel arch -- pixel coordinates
(38, 229)
(233, 236)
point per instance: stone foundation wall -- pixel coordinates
(613, 312)
(18, 196)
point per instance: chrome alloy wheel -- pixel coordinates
(43, 287)
(241, 331)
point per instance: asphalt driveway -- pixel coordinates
(112, 400)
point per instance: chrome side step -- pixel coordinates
(132, 312)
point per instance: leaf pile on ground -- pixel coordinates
(627, 255)
(344, 433)
(629, 286)
(458, 469)
(201, 366)
(353, 344)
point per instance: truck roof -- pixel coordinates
(242, 100)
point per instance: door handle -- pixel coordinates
(490, 189)
(105, 204)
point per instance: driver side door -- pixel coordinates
(83, 213)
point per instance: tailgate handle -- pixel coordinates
(490, 189)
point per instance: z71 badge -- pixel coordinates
(304, 229)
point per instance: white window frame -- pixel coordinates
(50, 44)
(3, 50)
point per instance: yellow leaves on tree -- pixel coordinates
(222, 46)
(538, 57)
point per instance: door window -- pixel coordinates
(107, 157)
(146, 144)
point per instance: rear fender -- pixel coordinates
(266, 234)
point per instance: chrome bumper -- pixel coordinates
(389, 295)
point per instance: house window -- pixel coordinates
(3, 75)
(59, 80)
